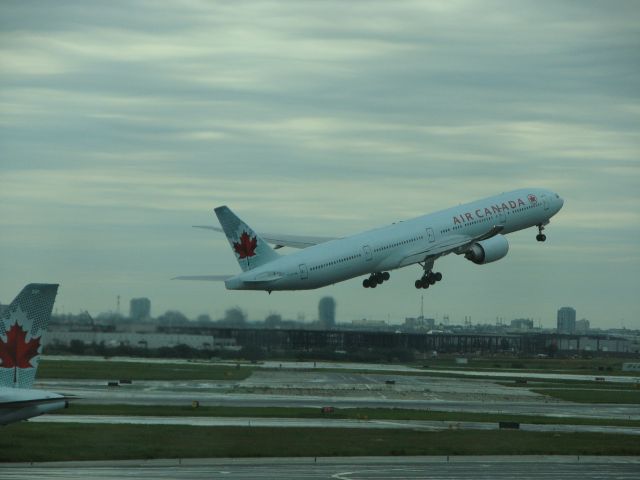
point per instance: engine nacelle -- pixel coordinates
(488, 251)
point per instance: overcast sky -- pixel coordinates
(124, 123)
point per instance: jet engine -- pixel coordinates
(488, 251)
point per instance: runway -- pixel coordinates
(315, 389)
(323, 423)
(552, 409)
(351, 468)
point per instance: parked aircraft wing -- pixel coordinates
(280, 240)
(18, 404)
(34, 397)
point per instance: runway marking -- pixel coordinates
(340, 476)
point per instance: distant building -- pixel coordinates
(522, 324)
(140, 308)
(368, 323)
(566, 320)
(583, 325)
(327, 312)
(141, 340)
(419, 323)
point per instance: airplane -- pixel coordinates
(22, 324)
(475, 230)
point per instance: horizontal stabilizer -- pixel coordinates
(283, 240)
(204, 278)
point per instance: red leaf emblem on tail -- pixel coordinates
(246, 247)
(16, 352)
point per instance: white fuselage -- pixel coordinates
(400, 244)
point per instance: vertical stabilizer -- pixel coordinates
(250, 250)
(21, 327)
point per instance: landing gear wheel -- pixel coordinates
(386, 276)
(373, 284)
(429, 277)
(365, 283)
(541, 237)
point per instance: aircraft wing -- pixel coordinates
(282, 240)
(457, 244)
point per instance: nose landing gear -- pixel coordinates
(541, 237)
(376, 279)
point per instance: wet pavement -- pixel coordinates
(258, 422)
(350, 468)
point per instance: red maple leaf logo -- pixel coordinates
(246, 247)
(532, 198)
(16, 352)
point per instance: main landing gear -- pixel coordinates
(541, 237)
(375, 279)
(429, 278)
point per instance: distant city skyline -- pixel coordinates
(331, 311)
(123, 124)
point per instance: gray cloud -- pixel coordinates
(123, 124)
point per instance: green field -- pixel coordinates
(343, 413)
(591, 395)
(33, 442)
(140, 370)
(572, 384)
(117, 370)
(585, 366)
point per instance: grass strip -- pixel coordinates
(33, 442)
(592, 396)
(115, 370)
(588, 366)
(573, 384)
(342, 413)
(471, 374)
(107, 369)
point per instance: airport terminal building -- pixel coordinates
(301, 340)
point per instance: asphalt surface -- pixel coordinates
(553, 409)
(322, 423)
(315, 389)
(397, 468)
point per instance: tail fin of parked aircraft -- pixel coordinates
(251, 250)
(21, 327)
